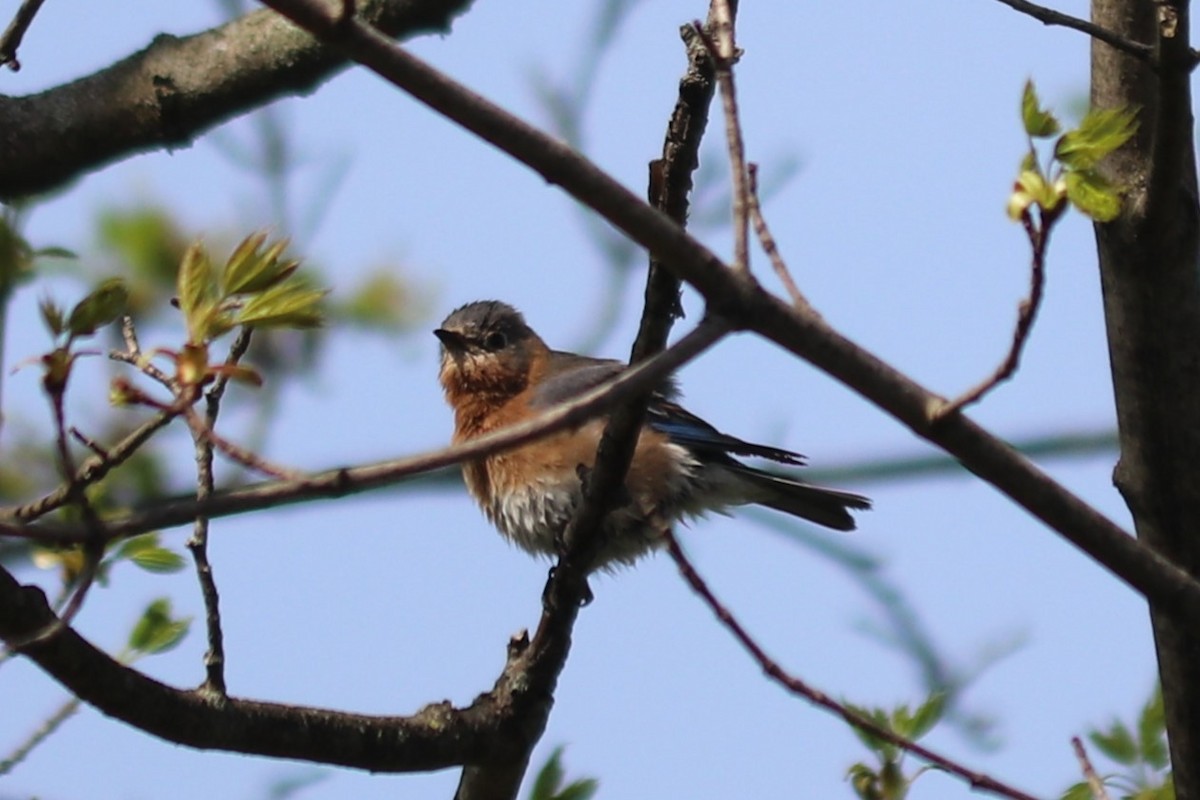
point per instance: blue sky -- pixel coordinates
(904, 118)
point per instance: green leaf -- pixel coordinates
(288, 305)
(249, 271)
(102, 306)
(928, 715)
(549, 777)
(146, 552)
(384, 301)
(195, 288)
(864, 781)
(1152, 732)
(1039, 123)
(886, 750)
(157, 631)
(242, 263)
(1101, 132)
(1079, 791)
(1116, 743)
(147, 241)
(1092, 194)
(548, 784)
(582, 789)
(52, 315)
(1044, 194)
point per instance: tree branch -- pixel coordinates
(176, 89)
(10, 40)
(1048, 16)
(978, 781)
(742, 301)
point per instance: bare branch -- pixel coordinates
(214, 659)
(718, 37)
(1048, 16)
(1039, 238)
(10, 40)
(1094, 781)
(978, 780)
(769, 246)
(176, 89)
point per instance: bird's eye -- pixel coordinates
(495, 341)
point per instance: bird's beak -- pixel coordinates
(453, 341)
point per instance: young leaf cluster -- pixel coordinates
(103, 306)
(146, 552)
(1140, 751)
(256, 287)
(886, 780)
(1072, 175)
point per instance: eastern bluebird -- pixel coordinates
(497, 372)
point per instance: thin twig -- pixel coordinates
(978, 780)
(132, 354)
(235, 452)
(724, 53)
(49, 726)
(1039, 237)
(10, 40)
(769, 245)
(1048, 16)
(1089, 772)
(94, 469)
(95, 539)
(214, 658)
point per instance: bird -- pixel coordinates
(495, 371)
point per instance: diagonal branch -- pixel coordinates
(977, 780)
(1048, 16)
(10, 40)
(746, 304)
(176, 89)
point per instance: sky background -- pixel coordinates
(904, 118)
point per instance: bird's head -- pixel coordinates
(487, 352)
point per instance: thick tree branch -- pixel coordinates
(1150, 276)
(176, 89)
(438, 736)
(745, 303)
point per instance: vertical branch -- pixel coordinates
(768, 243)
(214, 659)
(719, 37)
(1150, 276)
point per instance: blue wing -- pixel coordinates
(685, 428)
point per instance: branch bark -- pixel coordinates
(1150, 275)
(176, 89)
